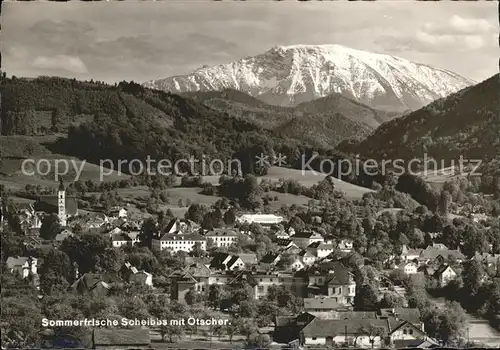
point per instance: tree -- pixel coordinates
(472, 276)
(453, 322)
(365, 298)
(392, 300)
(29, 149)
(55, 271)
(148, 230)
(50, 227)
(373, 332)
(445, 201)
(91, 252)
(229, 217)
(214, 295)
(195, 213)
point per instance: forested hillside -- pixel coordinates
(322, 124)
(127, 121)
(464, 124)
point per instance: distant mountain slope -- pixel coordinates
(350, 108)
(324, 125)
(290, 75)
(466, 124)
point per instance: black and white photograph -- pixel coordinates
(250, 174)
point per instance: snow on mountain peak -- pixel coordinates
(288, 75)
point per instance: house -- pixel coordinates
(118, 213)
(269, 260)
(307, 257)
(93, 284)
(444, 274)
(22, 266)
(320, 249)
(263, 219)
(249, 259)
(411, 315)
(194, 277)
(61, 236)
(439, 253)
(133, 275)
(222, 237)
(405, 331)
(178, 226)
(142, 277)
(304, 239)
(359, 333)
(332, 280)
(282, 234)
(119, 239)
(118, 338)
(224, 261)
(287, 328)
(489, 260)
(345, 245)
(261, 282)
(410, 268)
(409, 254)
(177, 242)
(298, 264)
(320, 304)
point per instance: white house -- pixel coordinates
(179, 242)
(222, 237)
(142, 277)
(307, 257)
(304, 239)
(445, 274)
(298, 264)
(323, 250)
(24, 266)
(360, 333)
(263, 219)
(410, 268)
(136, 276)
(345, 245)
(120, 239)
(120, 213)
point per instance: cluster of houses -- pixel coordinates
(304, 263)
(400, 328)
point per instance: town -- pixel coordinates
(337, 273)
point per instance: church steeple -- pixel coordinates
(61, 185)
(61, 203)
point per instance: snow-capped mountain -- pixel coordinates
(289, 75)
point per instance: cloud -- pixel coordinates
(458, 25)
(456, 34)
(460, 42)
(68, 63)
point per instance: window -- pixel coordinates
(410, 331)
(313, 338)
(404, 331)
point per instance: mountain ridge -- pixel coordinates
(290, 75)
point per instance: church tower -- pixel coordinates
(61, 203)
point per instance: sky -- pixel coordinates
(140, 41)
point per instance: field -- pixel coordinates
(16, 149)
